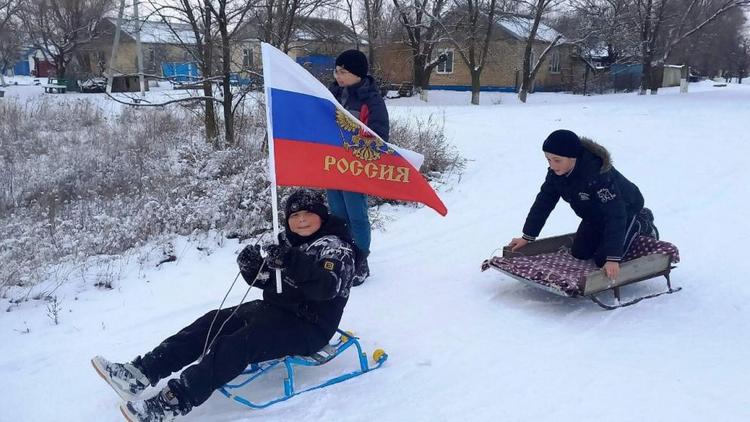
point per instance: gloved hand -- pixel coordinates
(249, 259)
(275, 255)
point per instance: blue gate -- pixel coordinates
(318, 64)
(180, 72)
(22, 68)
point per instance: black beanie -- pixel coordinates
(563, 143)
(354, 61)
(308, 200)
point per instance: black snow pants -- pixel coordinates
(589, 236)
(257, 332)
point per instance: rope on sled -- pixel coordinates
(206, 345)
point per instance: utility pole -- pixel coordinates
(138, 47)
(115, 45)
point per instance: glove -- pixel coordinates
(249, 259)
(275, 255)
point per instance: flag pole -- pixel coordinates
(271, 157)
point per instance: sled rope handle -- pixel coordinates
(206, 345)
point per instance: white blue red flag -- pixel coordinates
(318, 143)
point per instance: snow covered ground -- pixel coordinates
(466, 345)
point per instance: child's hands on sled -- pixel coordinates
(275, 255)
(516, 243)
(612, 269)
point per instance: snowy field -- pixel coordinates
(466, 345)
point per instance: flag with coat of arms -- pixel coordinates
(317, 143)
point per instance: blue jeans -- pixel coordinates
(352, 208)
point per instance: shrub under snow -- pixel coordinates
(77, 183)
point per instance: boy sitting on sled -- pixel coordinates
(316, 257)
(610, 206)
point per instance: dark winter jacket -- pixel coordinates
(597, 192)
(317, 275)
(363, 100)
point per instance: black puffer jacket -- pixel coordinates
(596, 191)
(317, 275)
(363, 100)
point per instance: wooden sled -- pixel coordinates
(592, 282)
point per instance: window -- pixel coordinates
(247, 57)
(554, 61)
(151, 57)
(446, 65)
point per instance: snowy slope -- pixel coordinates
(466, 345)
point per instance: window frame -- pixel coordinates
(445, 63)
(554, 61)
(247, 58)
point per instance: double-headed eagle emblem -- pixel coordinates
(362, 144)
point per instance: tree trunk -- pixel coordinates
(522, 95)
(210, 117)
(60, 67)
(475, 86)
(645, 75)
(657, 75)
(226, 59)
(372, 57)
(419, 76)
(684, 75)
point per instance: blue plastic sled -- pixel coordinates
(325, 355)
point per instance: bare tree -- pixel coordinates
(349, 10)
(216, 26)
(8, 10)
(373, 19)
(538, 9)
(472, 23)
(422, 21)
(10, 38)
(663, 24)
(743, 61)
(229, 16)
(60, 27)
(276, 21)
(603, 25)
(716, 48)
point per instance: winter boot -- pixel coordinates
(163, 407)
(646, 218)
(127, 380)
(361, 272)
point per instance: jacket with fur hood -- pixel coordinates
(363, 100)
(597, 192)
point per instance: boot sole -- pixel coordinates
(123, 394)
(126, 413)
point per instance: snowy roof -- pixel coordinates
(308, 29)
(153, 32)
(520, 28)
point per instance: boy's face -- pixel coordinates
(344, 77)
(304, 223)
(559, 164)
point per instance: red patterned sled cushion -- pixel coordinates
(561, 272)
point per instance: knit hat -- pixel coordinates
(308, 200)
(354, 61)
(563, 143)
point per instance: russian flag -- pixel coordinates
(318, 143)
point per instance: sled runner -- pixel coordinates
(548, 265)
(257, 371)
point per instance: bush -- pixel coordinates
(427, 136)
(78, 186)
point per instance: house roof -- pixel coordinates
(520, 27)
(311, 29)
(156, 32)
